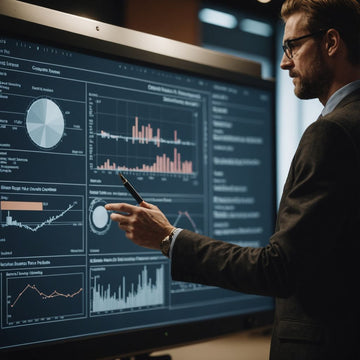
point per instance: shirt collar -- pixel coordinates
(338, 95)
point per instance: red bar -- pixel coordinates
(158, 137)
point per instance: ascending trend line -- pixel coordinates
(45, 296)
(11, 222)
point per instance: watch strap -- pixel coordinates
(166, 243)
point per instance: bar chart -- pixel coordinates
(162, 164)
(140, 137)
(142, 287)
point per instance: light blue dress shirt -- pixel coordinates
(338, 95)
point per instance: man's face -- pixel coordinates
(308, 68)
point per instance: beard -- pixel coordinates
(316, 82)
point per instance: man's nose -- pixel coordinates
(285, 63)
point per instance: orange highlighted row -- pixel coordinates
(21, 205)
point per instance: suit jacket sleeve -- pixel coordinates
(313, 211)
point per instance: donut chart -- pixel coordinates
(99, 218)
(45, 123)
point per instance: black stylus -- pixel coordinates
(131, 189)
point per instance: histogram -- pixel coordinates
(146, 135)
(144, 292)
(162, 164)
(147, 139)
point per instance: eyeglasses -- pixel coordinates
(288, 44)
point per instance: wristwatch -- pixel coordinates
(166, 243)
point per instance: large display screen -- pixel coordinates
(201, 149)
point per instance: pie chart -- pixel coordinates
(45, 123)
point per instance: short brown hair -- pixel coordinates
(342, 15)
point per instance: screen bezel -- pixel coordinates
(40, 24)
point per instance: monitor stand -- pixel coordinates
(146, 357)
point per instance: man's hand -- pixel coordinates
(145, 225)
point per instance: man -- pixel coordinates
(310, 264)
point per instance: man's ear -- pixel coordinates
(332, 41)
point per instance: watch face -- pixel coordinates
(165, 246)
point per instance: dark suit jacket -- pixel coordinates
(311, 265)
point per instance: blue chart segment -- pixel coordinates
(45, 298)
(142, 287)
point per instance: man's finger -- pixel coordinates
(147, 205)
(121, 207)
(118, 217)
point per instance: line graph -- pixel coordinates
(52, 224)
(10, 222)
(185, 215)
(44, 298)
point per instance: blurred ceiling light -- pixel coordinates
(264, 1)
(218, 18)
(256, 27)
